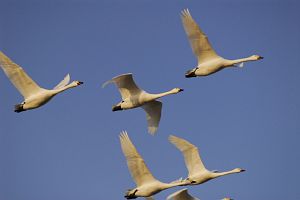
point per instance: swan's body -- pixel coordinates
(34, 95)
(184, 195)
(147, 185)
(209, 61)
(197, 172)
(133, 96)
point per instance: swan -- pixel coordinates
(184, 195)
(197, 172)
(147, 185)
(34, 95)
(133, 96)
(209, 61)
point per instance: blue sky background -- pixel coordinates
(69, 149)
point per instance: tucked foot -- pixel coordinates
(19, 108)
(130, 195)
(190, 73)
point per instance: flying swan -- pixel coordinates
(209, 61)
(133, 96)
(147, 185)
(184, 195)
(197, 172)
(34, 95)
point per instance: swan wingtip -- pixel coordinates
(106, 83)
(172, 137)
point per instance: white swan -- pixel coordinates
(133, 96)
(184, 195)
(209, 61)
(34, 95)
(197, 172)
(147, 185)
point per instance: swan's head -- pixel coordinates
(257, 57)
(75, 84)
(238, 170)
(78, 82)
(177, 90)
(130, 194)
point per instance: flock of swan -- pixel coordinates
(209, 62)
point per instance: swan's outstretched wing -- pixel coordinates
(63, 83)
(197, 38)
(18, 77)
(153, 113)
(181, 195)
(126, 85)
(191, 155)
(137, 167)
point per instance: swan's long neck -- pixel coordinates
(156, 96)
(233, 62)
(218, 174)
(71, 85)
(170, 185)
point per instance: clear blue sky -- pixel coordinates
(69, 149)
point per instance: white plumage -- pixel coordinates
(147, 185)
(34, 95)
(209, 61)
(197, 173)
(133, 96)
